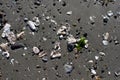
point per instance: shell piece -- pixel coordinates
(106, 35)
(6, 54)
(32, 25)
(20, 35)
(102, 53)
(6, 30)
(69, 13)
(110, 13)
(36, 21)
(93, 71)
(4, 46)
(71, 39)
(41, 54)
(55, 54)
(105, 42)
(68, 68)
(35, 50)
(11, 37)
(57, 46)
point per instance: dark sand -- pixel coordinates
(26, 69)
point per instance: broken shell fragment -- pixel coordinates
(36, 21)
(93, 72)
(20, 35)
(69, 13)
(117, 73)
(42, 53)
(110, 13)
(106, 35)
(102, 53)
(11, 37)
(71, 39)
(55, 54)
(105, 42)
(35, 50)
(57, 46)
(4, 46)
(68, 68)
(32, 25)
(6, 54)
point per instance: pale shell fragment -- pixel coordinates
(105, 42)
(55, 54)
(32, 25)
(36, 50)
(69, 12)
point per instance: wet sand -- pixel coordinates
(26, 67)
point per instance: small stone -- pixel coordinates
(68, 68)
(35, 50)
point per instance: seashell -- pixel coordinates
(105, 42)
(41, 54)
(20, 35)
(55, 54)
(106, 35)
(36, 21)
(4, 46)
(32, 25)
(6, 54)
(35, 50)
(69, 12)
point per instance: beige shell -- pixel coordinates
(20, 35)
(4, 46)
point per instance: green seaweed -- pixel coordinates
(81, 43)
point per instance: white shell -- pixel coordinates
(93, 71)
(36, 50)
(105, 42)
(31, 25)
(55, 54)
(71, 39)
(102, 53)
(36, 21)
(69, 13)
(110, 13)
